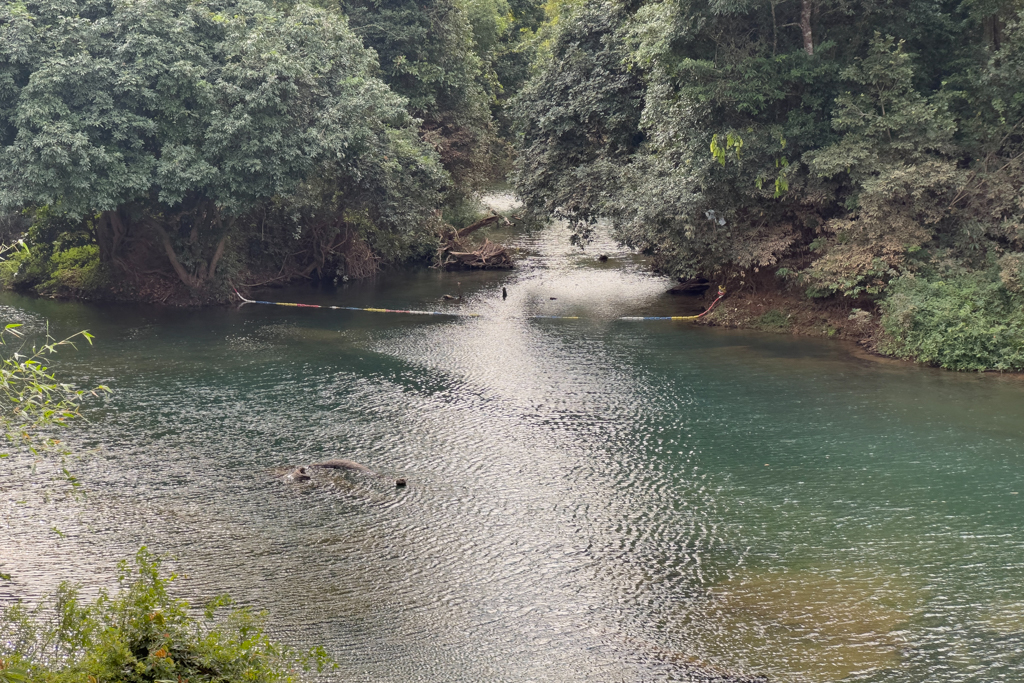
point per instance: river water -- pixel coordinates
(588, 500)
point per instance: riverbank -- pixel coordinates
(959, 324)
(786, 311)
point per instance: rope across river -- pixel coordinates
(456, 314)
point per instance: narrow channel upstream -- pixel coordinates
(588, 500)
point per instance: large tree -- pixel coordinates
(833, 140)
(170, 124)
(427, 55)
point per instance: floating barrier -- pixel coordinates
(355, 308)
(721, 293)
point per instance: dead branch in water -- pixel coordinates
(473, 227)
(452, 253)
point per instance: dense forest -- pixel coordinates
(854, 151)
(862, 151)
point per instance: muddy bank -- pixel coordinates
(783, 310)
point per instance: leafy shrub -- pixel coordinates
(968, 322)
(31, 398)
(1011, 272)
(773, 319)
(13, 258)
(34, 261)
(74, 272)
(142, 635)
(26, 267)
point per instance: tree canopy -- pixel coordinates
(175, 126)
(841, 145)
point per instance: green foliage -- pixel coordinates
(49, 268)
(504, 38)
(26, 266)
(844, 149)
(33, 405)
(577, 119)
(167, 129)
(967, 322)
(897, 158)
(849, 159)
(1011, 272)
(75, 272)
(462, 213)
(143, 634)
(31, 398)
(426, 52)
(773, 319)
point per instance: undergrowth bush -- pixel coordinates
(968, 322)
(773, 319)
(56, 256)
(75, 272)
(143, 635)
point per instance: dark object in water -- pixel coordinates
(341, 464)
(298, 474)
(449, 297)
(602, 258)
(552, 297)
(504, 293)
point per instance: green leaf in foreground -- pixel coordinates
(143, 634)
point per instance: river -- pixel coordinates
(588, 499)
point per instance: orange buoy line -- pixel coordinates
(721, 293)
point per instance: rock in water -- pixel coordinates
(341, 464)
(298, 474)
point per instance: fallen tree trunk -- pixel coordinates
(473, 227)
(454, 254)
(489, 255)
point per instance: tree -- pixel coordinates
(898, 159)
(505, 40)
(577, 119)
(168, 125)
(737, 100)
(427, 55)
(143, 634)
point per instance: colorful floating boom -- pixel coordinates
(354, 308)
(721, 293)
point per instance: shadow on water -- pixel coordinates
(591, 499)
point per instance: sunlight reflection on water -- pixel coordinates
(589, 500)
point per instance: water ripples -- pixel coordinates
(588, 500)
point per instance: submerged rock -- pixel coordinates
(297, 474)
(342, 464)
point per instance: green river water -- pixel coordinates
(588, 500)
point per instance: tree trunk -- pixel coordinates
(101, 232)
(469, 229)
(189, 280)
(993, 26)
(216, 257)
(119, 231)
(805, 26)
(110, 233)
